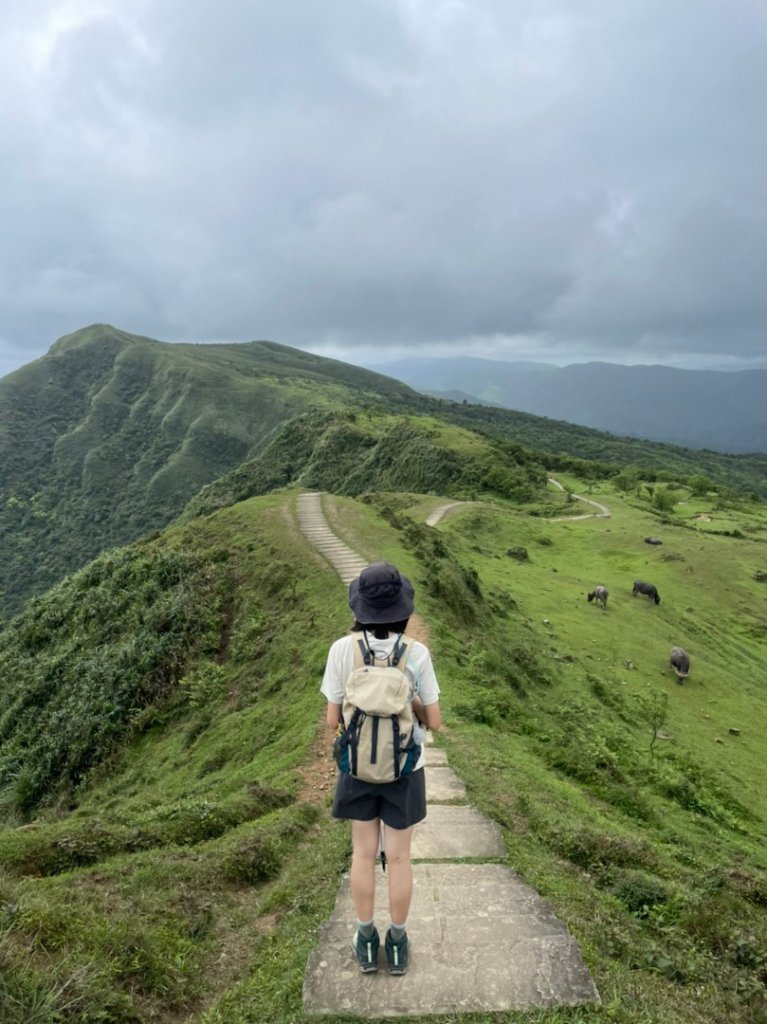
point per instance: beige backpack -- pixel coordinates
(378, 742)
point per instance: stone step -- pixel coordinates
(481, 942)
(452, 832)
(443, 784)
(435, 755)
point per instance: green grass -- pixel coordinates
(182, 879)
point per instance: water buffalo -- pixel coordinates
(600, 595)
(680, 662)
(646, 588)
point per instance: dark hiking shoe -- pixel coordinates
(366, 951)
(396, 953)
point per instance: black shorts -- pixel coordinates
(398, 804)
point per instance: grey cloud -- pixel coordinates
(567, 178)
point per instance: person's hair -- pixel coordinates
(380, 630)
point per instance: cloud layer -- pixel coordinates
(549, 179)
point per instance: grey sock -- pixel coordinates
(397, 931)
(366, 928)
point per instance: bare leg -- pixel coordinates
(365, 851)
(397, 846)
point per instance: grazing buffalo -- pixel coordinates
(646, 588)
(680, 662)
(600, 595)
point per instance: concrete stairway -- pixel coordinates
(481, 940)
(314, 526)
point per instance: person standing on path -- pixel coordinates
(381, 599)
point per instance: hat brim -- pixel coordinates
(375, 614)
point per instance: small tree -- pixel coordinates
(653, 709)
(663, 499)
(700, 484)
(627, 479)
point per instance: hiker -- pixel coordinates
(600, 595)
(381, 599)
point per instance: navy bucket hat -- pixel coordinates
(381, 594)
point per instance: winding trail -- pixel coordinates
(604, 511)
(482, 940)
(434, 517)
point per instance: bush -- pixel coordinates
(254, 859)
(639, 891)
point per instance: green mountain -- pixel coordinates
(166, 851)
(110, 435)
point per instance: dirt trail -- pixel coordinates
(603, 513)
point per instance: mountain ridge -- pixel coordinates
(110, 435)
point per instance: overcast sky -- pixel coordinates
(550, 179)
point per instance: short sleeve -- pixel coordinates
(335, 672)
(427, 686)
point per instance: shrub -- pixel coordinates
(254, 859)
(639, 891)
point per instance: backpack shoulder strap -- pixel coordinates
(362, 653)
(401, 651)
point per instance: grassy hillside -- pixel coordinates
(355, 452)
(109, 435)
(174, 865)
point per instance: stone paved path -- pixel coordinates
(481, 939)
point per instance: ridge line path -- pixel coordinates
(482, 940)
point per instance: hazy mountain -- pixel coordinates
(712, 409)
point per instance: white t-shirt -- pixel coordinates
(418, 668)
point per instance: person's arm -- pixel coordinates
(332, 685)
(333, 715)
(427, 714)
(426, 699)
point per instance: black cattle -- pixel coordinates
(646, 588)
(600, 595)
(680, 662)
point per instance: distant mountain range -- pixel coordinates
(725, 412)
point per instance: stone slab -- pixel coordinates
(481, 941)
(435, 755)
(443, 784)
(452, 832)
